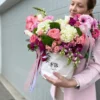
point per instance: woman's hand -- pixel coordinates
(61, 81)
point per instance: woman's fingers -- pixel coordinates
(57, 75)
(51, 80)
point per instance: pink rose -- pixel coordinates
(54, 33)
(31, 23)
(33, 38)
(56, 49)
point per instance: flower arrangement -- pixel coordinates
(64, 37)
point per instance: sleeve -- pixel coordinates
(92, 72)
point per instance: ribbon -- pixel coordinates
(32, 77)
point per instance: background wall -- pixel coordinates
(0, 47)
(16, 59)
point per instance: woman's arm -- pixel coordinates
(92, 73)
(87, 77)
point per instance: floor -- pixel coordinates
(4, 94)
(7, 91)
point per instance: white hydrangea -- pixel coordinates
(44, 26)
(68, 33)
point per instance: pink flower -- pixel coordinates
(54, 44)
(40, 32)
(81, 39)
(95, 24)
(84, 28)
(86, 20)
(56, 49)
(96, 33)
(48, 48)
(59, 42)
(31, 23)
(77, 24)
(54, 33)
(33, 38)
(48, 17)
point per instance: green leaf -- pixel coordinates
(47, 40)
(34, 31)
(40, 10)
(79, 31)
(28, 46)
(99, 26)
(69, 61)
(55, 25)
(86, 55)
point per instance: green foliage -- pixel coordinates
(86, 55)
(34, 31)
(79, 31)
(54, 25)
(47, 40)
(99, 27)
(69, 61)
(40, 10)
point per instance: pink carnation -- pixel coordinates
(33, 38)
(54, 33)
(31, 23)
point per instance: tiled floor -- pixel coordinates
(4, 94)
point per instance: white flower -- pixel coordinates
(68, 33)
(67, 19)
(40, 17)
(44, 26)
(27, 32)
(62, 23)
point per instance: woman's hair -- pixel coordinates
(91, 4)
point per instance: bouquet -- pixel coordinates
(58, 43)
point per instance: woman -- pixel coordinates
(82, 85)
